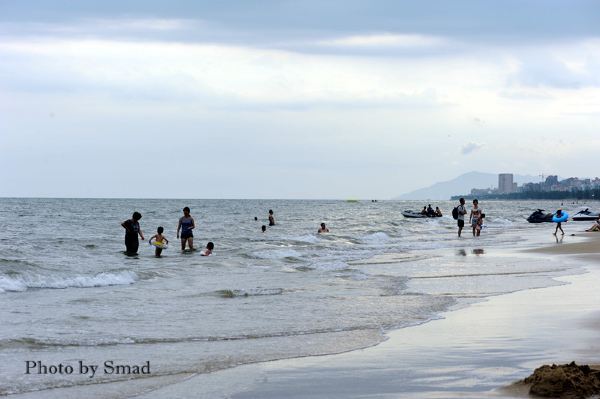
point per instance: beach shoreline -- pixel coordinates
(260, 379)
(445, 358)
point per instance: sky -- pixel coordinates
(292, 99)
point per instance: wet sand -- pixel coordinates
(591, 245)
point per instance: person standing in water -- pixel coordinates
(323, 229)
(461, 215)
(186, 225)
(271, 218)
(132, 230)
(474, 218)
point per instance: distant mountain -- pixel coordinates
(461, 185)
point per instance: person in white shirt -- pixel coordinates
(475, 218)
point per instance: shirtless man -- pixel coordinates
(323, 229)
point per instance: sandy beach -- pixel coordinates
(478, 351)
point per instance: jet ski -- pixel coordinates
(586, 215)
(540, 216)
(414, 214)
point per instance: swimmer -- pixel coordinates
(208, 250)
(158, 239)
(263, 228)
(271, 218)
(323, 229)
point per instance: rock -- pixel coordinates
(564, 381)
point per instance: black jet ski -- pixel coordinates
(586, 215)
(540, 216)
(415, 214)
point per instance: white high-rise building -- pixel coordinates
(505, 183)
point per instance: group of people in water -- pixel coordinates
(185, 232)
(185, 229)
(429, 212)
(187, 224)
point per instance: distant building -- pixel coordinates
(505, 183)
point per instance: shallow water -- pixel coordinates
(69, 293)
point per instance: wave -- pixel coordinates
(29, 342)
(376, 238)
(306, 238)
(499, 222)
(277, 254)
(325, 266)
(23, 282)
(249, 292)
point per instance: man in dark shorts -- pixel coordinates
(132, 230)
(461, 215)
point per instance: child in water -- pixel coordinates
(208, 250)
(159, 241)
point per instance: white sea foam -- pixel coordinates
(499, 222)
(330, 266)
(376, 238)
(277, 254)
(22, 283)
(11, 284)
(306, 238)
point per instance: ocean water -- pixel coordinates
(69, 293)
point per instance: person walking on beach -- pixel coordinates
(132, 230)
(461, 215)
(559, 214)
(271, 218)
(186, 225)
(475, 217)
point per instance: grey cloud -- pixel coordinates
(292, 25)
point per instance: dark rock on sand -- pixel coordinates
(564, 381)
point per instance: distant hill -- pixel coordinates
(461, 185)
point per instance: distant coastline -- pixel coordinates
(532, 195)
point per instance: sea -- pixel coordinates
(70, 295)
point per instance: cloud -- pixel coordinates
(217, 75)
(574, 66)
(470, 148)
(385, 40)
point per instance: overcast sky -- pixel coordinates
(292, 99)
